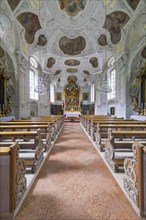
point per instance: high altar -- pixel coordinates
(72, 95)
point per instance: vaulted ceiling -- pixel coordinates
(71, 37)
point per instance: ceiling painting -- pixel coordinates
(59, 80)
(51, 62)
(85, 80)
(72, 62)
(57, 72)
(143, 53)
(2, 53)
(72, 46)
(94, 62)
(72, 37)
(31, 24)
(72, 7)
(133, 3)
(42, 40)
(86, 72)
(72, 78)
(13, 3)
(72, 70)
(114, 23)
(102, 40)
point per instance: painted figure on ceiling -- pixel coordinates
(72, 7)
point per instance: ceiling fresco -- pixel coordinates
(133, 3)
(2, 53)
(31, 24)
(86, 72)
(57, 72)
(13, 4)
(72, 78)
(114, 22)
(72, 46)
(51, 62)
(72, 70)
(72, 7)
(72, 62)
(102, 40)
(143, 53)
(42, 40)
(94, 62)
(73, 36)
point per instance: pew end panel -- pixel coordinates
(12, 180)
(135, 177)
(34, 158)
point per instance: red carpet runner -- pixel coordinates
(74, 184)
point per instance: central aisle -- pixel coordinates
(74, 184)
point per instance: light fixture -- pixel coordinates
(42, 87)
(102, 84)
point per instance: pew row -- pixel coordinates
(31, 151)
(101, 133)
(92, 127)
(55, 125)
(118, 146)
(135, 177)
(46, 132)
(12, 180)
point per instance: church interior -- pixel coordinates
(72, 109)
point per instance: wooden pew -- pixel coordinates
(53, 126)
(135, 177)
(118, 146)
(56, 122)
(92, 127)
(101, 133)
(88, 120)
(45, 129)
(31, 151)
(12, 180)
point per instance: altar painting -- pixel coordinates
(58, 96)
(85, 96)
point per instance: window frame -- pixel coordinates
(92, 90)
(33, 84)
(111, 74)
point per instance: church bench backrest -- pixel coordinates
(101, 132)
(121, 141)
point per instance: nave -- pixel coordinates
(74, 183)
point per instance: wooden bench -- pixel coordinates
(93, 124)
(53, 126)
(118, 146)
(12, 180)
(135, 177)
(101, 133)
(31, 151)
(46, 133)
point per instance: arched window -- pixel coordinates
(92, 93)
(111, 74)
(33, 79)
